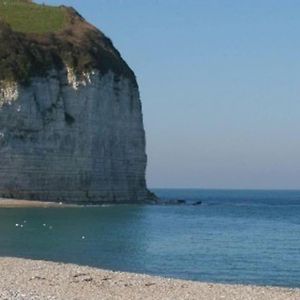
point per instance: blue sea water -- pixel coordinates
(248, 237)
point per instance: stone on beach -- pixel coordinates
(27, 279)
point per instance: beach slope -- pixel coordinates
(28, 279)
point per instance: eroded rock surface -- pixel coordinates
(70, 131)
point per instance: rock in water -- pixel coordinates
(71, 126)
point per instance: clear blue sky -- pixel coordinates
(220, 86)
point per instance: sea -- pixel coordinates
(234, 236)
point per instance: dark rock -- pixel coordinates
(172, 202)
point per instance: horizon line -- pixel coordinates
(229, 189)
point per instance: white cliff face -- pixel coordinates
(8, 92)
(75, 82)
(65, 139)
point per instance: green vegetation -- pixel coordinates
(37, 38)
(25, 16)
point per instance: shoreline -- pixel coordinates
(21, 203)
(33, 279)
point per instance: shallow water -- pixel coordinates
(250, 237)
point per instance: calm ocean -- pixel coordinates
(249, 237)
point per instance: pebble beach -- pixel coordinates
(23, 279)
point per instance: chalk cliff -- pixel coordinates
(71, 126)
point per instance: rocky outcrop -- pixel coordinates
(71, 132)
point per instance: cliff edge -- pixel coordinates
(71, 126)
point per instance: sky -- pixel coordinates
(219, 83)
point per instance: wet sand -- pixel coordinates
(27, 279)
(13, 203)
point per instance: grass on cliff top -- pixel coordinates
(25, 16)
